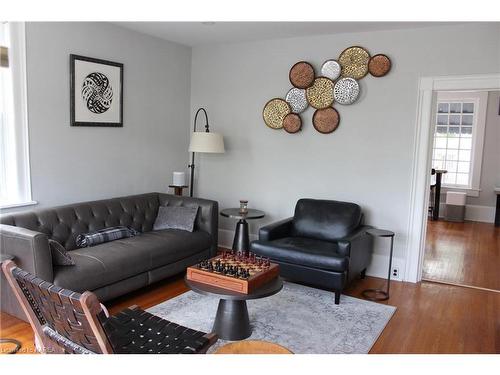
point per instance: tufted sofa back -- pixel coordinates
(65, 223)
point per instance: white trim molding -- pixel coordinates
(420, 176)
(19, 187)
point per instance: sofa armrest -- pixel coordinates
(30, 249)
(276, 230)
(207, 219)
(358, 240)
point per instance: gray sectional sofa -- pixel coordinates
(114, 268)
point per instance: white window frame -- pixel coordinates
(480, 100)
(17, 62)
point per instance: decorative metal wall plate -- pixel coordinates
(354, 62)
(302, 75)
(346, 90)
(326, 120)
(274, 112)
(297, 100)
(320, 94)
(331, 69)
(292, 123)
(379, 65)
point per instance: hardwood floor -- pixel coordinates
(463, 253)
(430, 317)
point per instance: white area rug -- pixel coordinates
(302, 319)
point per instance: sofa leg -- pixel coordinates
(337, 297)
(363, 273)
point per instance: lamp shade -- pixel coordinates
(206, 142)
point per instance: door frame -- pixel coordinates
(420, 178)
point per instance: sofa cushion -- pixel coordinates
(325, 219)
(175, 218)
(110, 262)
(60, 257)
(105, 235)
(303, 251)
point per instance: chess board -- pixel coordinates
(232, 272)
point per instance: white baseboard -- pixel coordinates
(378, 267)
(485, 214)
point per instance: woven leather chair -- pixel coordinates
(68, 322)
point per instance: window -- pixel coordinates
(15, 189)
(458, 137)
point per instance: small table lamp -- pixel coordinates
(205, 142)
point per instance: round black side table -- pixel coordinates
(241, 240)
(231, 321)
(378, 294)
(17, 344)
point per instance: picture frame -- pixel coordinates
(96, 92)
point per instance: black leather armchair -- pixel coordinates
(324, 244)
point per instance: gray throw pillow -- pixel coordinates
(175, 218)
(60, 257)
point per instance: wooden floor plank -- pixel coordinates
(463, 253)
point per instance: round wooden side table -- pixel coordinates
(252, 347)
(16, 344)
(378, 294)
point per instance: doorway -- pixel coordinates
(444, 251)
(462, 244)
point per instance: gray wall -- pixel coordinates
(70, 164)
(490, 169)
(367, 160)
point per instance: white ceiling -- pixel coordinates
(198, 33)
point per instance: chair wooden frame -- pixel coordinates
(78, 322)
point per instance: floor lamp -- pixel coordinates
(205, 142)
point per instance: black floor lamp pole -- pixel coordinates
(191, 182)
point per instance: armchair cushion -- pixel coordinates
(325, 219)
(304, 251)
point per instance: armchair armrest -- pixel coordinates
(358, 239)
(30, 249)
(32, 253)
(276, 230)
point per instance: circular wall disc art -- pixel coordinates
(274, 112)
(297, 100)
(302, 75)
(320, 94)
(379, 65)
(354, 62)
(331, 69)
(326, 120)
(346, 90)
(292, 123)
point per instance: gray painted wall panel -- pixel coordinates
(70, 164)
(367, 160)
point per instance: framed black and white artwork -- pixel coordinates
(96, 92)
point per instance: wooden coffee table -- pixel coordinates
(252, 347)
(232, 322)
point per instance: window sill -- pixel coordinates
(21, 204)
(471, 192)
